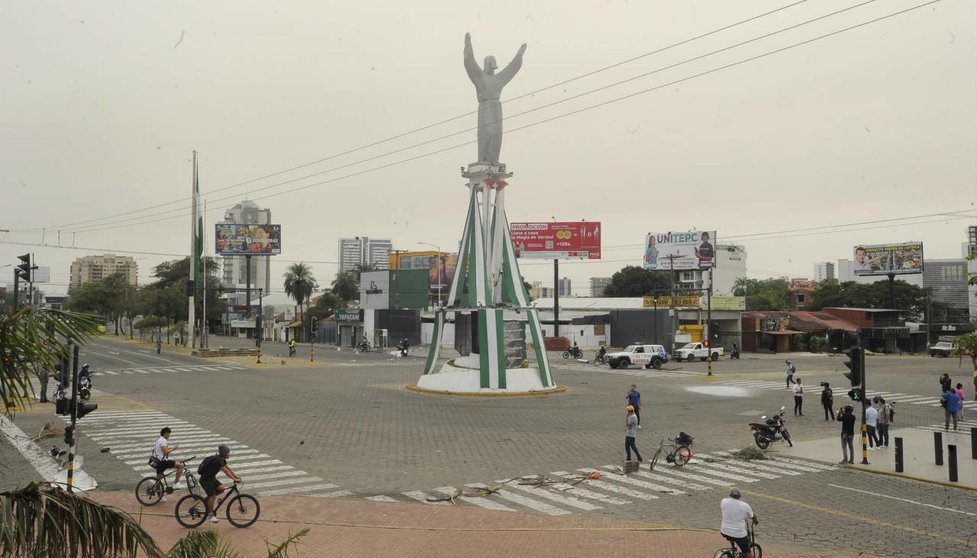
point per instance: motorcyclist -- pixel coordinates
(575, 350)
(404, 345)
(602, 354)
(291, 347)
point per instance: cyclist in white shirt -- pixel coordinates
(161, 451)
(735, 515)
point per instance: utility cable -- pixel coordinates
(429, 126)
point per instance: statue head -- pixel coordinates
(490, 66)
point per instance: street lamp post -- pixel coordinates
(437, 268)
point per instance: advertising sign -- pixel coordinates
(680, 250)
(442, 272)
(233, 239)
(665, 301)
(574, 239)
(885, 259)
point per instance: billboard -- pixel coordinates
(680, 250)
(442, 272)
(574, 239)
(888, 259)
(233, 239)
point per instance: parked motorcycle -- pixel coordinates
(574, 352)
(770, 430)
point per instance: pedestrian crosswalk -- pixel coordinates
(169, 369)
(568, 492)
(889, 396)
(963, 426)
(377, 363)
(130, 435)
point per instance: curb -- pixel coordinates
(555, 391)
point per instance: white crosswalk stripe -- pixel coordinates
(815, 393)
(963, 426)
(169, 369)
(130, 435)
(564, 492)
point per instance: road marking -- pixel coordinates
(293, 489)
(474, 500)
(535, 505)
(734, 469)
(809, 464)
(936, 535)
(624, 491)
(38, 458)
(565, 500)
(336, 494)
(422, 497)
(381, 498)
(907, 500)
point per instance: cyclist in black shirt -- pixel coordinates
(208, 470)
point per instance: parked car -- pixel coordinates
(649, 356)
(693, 351)
(942, 349)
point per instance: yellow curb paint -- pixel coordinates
(555, 391)
(855, 516)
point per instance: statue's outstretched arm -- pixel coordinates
(470, 65)
(510, 71)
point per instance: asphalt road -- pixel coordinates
(344, 426)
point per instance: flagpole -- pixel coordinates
(192, 319)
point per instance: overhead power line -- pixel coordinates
(184, 212)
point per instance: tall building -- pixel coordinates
(972, 269)
(597, 285)
(823, 271)
(564, 286)
(234, 269)
(730, 266)
(363, 250)
(92, 269)
(947, 283)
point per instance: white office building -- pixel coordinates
(363, 250)
(824, 271)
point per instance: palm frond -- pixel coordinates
(281, 551)
(44, 521)
(202, 544)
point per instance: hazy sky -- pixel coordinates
(102, 103)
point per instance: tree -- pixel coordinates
(346, 285)
(967, 342)
(763, 294)
(299, 283)
(636, 281)
(329, 302)
(909, 298)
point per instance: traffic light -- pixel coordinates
(24, 269)
(856, 395)
(69, 435)
(64, 406)
(714, 333)
(315, 324)
(855, 364)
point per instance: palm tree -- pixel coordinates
(300, 284)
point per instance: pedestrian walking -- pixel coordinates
(951, 406)
(885, 416)
(790, 372)
(43, 377)
(847, 419)
(634, 400)
(946, 383)
(975, 383)
(798, 398)
(631, 433)
(872, 425)
(963, 398)
(827, 400)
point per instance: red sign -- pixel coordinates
(575, 239)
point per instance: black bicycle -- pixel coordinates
(679, 452)
(242, 509)
(734, 552)
(150, 490)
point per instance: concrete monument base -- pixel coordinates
(456, 379)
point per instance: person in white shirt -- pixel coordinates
(798, 398)
(736, 513)
(161, 451)
(871, 424)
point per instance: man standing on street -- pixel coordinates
(630, 434)
(951, 408)
(827, 400)
(43, 377)
(798, 398)
(847, 419)
(634, 400)
(871, 424)
(790, 372)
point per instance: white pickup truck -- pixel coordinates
(693, 351)
(649, 356)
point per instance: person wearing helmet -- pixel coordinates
(631, 433)
(736, 514)
(208, 470)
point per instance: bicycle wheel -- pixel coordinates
(724, 553)
(682, 456)
(243, 510)
(149, 491)
(190, 511)
(757, 550)
(654, 458)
